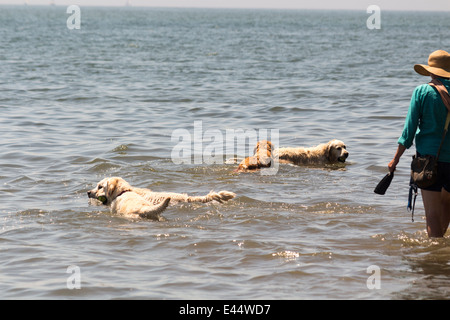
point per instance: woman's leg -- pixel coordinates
(434, 203)
(445, 218)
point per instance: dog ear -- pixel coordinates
(256, 148)
(111, 187)
(329, 152)
(269, 145)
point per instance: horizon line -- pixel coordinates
(216, 7)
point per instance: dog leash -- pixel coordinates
(411, 201)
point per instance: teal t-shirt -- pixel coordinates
(425, 122)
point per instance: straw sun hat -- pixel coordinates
(438, 64)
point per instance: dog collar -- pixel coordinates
(104, 200)
(122, 193)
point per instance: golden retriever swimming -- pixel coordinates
(127, 200)
(332, 152)
(262, 157)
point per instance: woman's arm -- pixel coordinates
(409, 130)
(393, 164)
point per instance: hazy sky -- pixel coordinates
(435, 5)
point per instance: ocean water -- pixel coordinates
(112, 98)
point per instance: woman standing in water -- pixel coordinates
(425, 122)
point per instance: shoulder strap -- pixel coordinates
(436, 83)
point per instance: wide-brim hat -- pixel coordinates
(438, 64)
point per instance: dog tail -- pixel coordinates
(221, 197)
(154, 211)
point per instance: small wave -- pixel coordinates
(101, 165)
(290, 255)
(121, 148)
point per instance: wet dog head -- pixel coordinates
(337, 151)
(264, 146)
(109, 189)
(262, 157)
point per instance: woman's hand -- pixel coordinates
(393, 164)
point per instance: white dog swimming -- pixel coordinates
(334, 151)
(127, 200)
